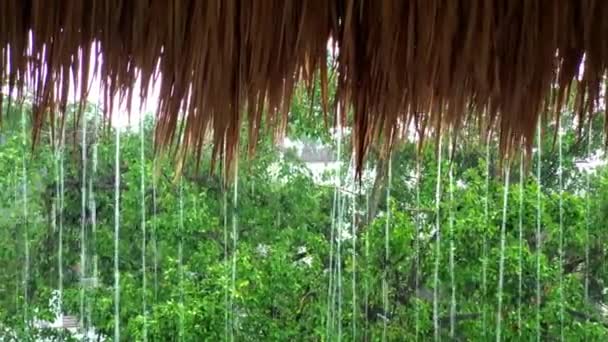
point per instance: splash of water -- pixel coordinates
(437, 243)
(387, 237)
(501, 265)
(180, 258)
(452, 243)
(117, 237)
(538, 229)
(83, 221)
(520, 226)
(144, 284)
(484, 251)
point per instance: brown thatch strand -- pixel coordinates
(221, 62)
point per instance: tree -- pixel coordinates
(283, 255)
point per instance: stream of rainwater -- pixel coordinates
(93, 213)
(588, 211)
(339, 239)
(54, 204)
(520, 227)
(366, 281)
(451, 233)
(387, 237)
(144, 284)
(436, 299)
(484, 243)
(330, 286)
(353, 226)
(235, 223)
(538, 227)
(331, 303)
(225, 225)
(155, 224)
(83, 222)
(561, 228)
(180, 258)
(59, 180)
(117, 237)
(26, 227)
(18, 272)
(501, 265)
(418, 223)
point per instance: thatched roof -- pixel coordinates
(221, 62)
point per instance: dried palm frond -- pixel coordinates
(220, 63)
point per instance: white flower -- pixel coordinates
(302, 250)
(460, 184)
(263, 249)
(344, 232)
(307, 260)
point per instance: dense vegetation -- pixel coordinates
(283, 257)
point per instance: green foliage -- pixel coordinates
(282, 254)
